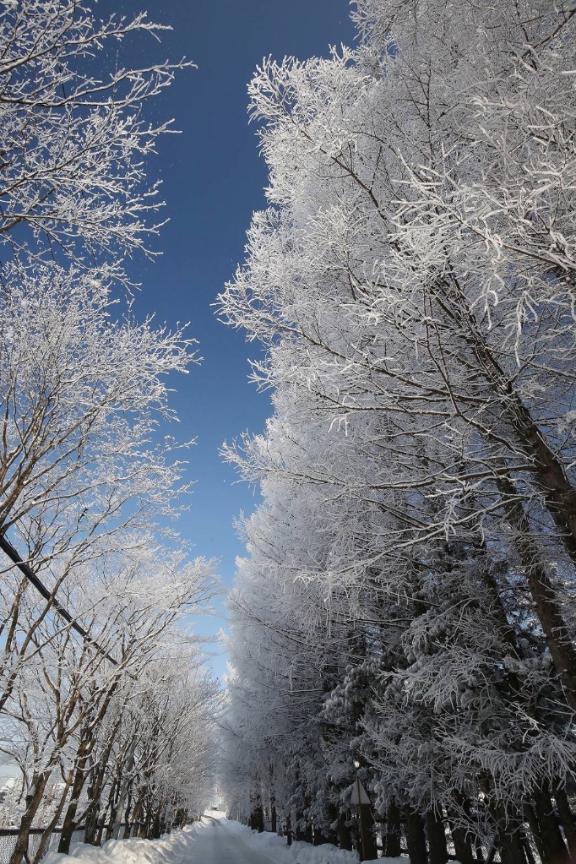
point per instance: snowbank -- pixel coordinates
(301, 853)
(171, 849)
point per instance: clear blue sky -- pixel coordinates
(213, 180)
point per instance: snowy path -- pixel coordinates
(211, 841)
(217, 842)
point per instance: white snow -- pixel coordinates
(276, 850)
(171, 849)
(215, 840)
(303, 853)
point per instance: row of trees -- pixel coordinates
(105, 707)
(406, 608)
(116, 721)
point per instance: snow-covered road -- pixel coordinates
(219, 842)
(211, 841)
(214, 840)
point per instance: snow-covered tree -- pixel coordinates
(102, 686)
(412, 285)
(75, 141)
(82, 394)
(58, 710)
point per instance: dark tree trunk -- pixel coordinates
(436, 835)
(100, 831)
(462, 842)
(548, 472)
(543, 593)
(156, 824)
(148, 820)
(137, 816)
(288, 831)
(344, 833)
(93, 810)
(305, 834)
(42, 847)
(415, 838)
(257, 818)
(318, 837)
(528, 849)
(69, 824)
(127, 815)
(32, 803)
(112, 806)
(510, 841)
(511, 848)
(393, 833)
(97, 776)
(546, 831)
(329, 832)
(567, 820)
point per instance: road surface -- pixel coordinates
(216, 842)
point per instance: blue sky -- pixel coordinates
(213, 179)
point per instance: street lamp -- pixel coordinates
(361, 800)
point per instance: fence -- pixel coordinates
(8, 841)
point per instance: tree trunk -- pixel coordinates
(511, 849)
(510, 840)
(462, 844)
(100, 831)
(112, 804)
(436, 835)
(137, 815)
(97, 776)
(93, 810)
(318, 837)
(49, 830)
(546, 831)
(33, 802)
(69, 823)
(461, 835)
(156, 824)
(558, 492)
(305, 834)
(288, 830)
(547, 470)
(567, 820)
(550, 474)
(543, 593)
(127, 812)
(393, 833)
(415, 838)
(330, 833)
(257, 816)
(343, 832)
(528, 851)
(124, 788)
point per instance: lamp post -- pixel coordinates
(361, 800)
